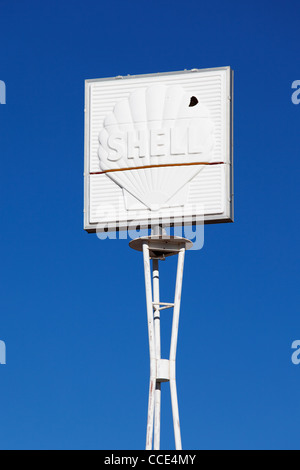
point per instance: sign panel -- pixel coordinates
(159, 148)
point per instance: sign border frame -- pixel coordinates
(92, 228)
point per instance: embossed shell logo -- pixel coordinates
(155, 142)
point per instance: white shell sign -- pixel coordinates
(158, 148)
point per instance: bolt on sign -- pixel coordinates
(159, 147)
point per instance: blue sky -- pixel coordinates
(73, 313)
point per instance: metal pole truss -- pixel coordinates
(161, 370)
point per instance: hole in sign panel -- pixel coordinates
(193, 101)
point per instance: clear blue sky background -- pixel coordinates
(73, 310)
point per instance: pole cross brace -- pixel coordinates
(165, 305)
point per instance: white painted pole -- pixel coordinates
(161, 370)
(152, 384)
(156, 299)
(173, 349)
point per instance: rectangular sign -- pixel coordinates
(159, 147)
